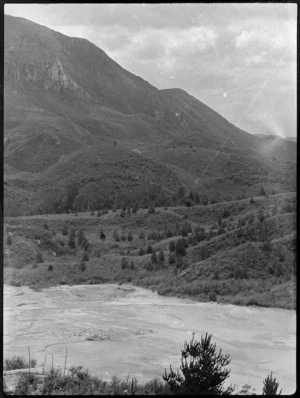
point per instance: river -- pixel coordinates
(126, 330)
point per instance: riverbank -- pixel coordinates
(126, 330)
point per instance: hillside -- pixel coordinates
(240, 252)
(68, 104)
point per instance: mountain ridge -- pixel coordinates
(63, 95)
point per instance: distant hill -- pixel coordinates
(72, 115)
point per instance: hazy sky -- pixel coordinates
(239, 59)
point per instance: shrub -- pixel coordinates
(123, 213)
(251, 218)
(116, 236)
(172, 246)
(142, 235)
(172, 259)
(226, 213)
(151, 208)
(154, 258)
(270, 386)
(85, 256)
(161, 257)
(80, 237)
(169, 234)
(149, 249)
(18, 363)
(82, 266)
(39, 257)
(202, 370)
(123, 237)
(71, 238)
(124, 263)
(180, 247)
(64, 230)
(141, 252)
(260, 216)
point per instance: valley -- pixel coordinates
(135, 216)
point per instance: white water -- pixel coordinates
(140, 333)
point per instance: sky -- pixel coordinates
(239, 59)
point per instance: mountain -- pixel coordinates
(74, 117)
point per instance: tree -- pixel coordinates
(180, 247)
(80, 237)
(71, 238)
(149, 249)
(154, 258)
(124, 263)
(172, 246)
(197, 198)
(270, 386)
(161, 257)
(202, 370)
(151, 208)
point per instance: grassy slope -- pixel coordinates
(236, 265)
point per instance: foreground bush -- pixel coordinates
(202, 370)
(18, 363)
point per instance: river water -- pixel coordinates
(126, 330)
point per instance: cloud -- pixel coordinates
(206, 49)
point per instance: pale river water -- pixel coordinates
(125, 330)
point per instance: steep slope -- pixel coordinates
(64, 96)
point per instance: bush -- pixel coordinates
(161, 257)
(202, 370)
(18, 363)
(80, 237)
(151, 208)
(149, 249)
(172, 259)
(39, 257)
(71, 238)
(141, 252)
(180, 247)
(124, 263)
(142, 235)
(260, 216)
(85, 256)
(226, 213)
(270, 386)
(154, 258)
(64, 230)
(116, 236)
